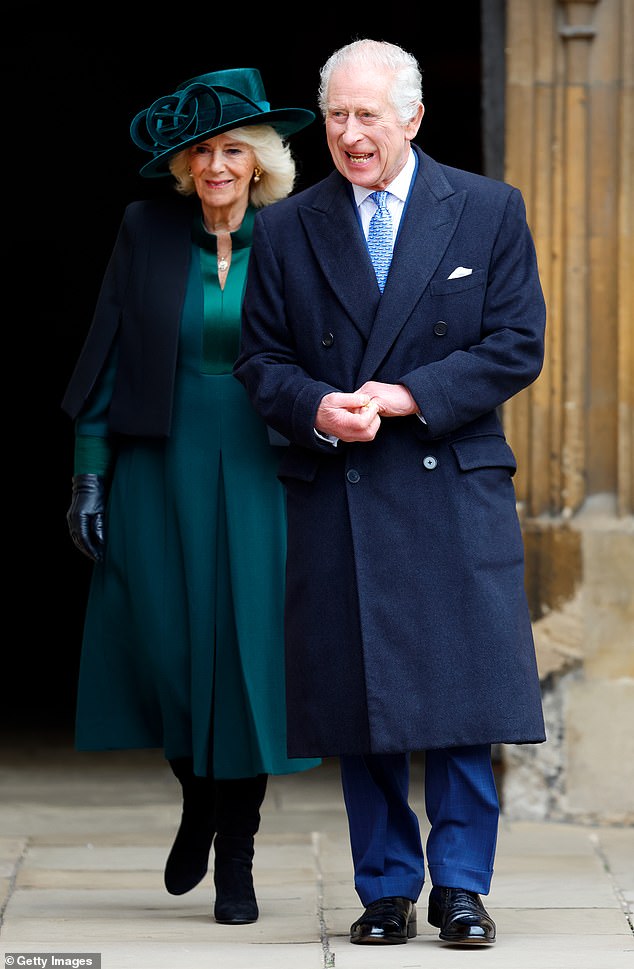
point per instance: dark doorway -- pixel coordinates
(70, 168)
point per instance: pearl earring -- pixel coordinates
(257, 174)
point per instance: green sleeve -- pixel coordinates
(93, 455)
(94, 452)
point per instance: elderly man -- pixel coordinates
(389, 311)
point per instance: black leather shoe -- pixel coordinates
(388, 921)
(460, 916)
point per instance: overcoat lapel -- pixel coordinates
(336, 238)
(337, 242)
(427, 226)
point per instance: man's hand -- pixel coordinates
(392, 400)
(350, 417)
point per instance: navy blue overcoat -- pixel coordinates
(407, 625)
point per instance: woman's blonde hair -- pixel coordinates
(272, 156)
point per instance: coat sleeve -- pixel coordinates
(139, 309)
(471, 382)
(105, 323)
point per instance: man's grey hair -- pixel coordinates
(405, 92)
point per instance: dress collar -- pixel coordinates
(240, 239)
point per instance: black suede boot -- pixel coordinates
(188, 861)
(238, 820)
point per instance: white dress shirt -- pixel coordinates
(398, 189)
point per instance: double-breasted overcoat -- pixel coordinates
(407, 625)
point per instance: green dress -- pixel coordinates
(183, 639)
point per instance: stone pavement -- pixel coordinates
(84, 837)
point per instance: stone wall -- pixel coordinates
(569, 146)
(585, 650)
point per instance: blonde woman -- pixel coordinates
(175, 496)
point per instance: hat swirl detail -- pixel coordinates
(176, 118)
(204, 107)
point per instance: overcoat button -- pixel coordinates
(440, 328)
(429, 462)
(327, 340)
(353, 476)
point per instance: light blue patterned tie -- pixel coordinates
(380, 240)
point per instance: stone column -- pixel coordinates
(569, 133)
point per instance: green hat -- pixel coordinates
(206, 106)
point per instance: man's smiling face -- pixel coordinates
(368, 143)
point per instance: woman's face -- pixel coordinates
(222, 169)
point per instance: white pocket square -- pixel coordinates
(460, 271)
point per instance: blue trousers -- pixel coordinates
(462, 807)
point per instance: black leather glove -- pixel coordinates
(85, 515)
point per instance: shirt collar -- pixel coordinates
(399, 187)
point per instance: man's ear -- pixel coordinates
(412, 126)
